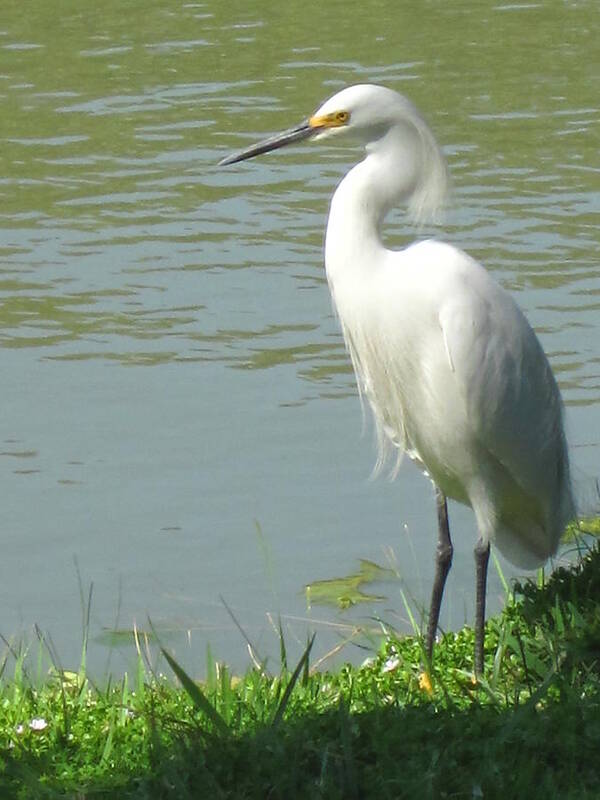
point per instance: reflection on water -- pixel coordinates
(123, 245)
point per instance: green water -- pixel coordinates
(172, 374)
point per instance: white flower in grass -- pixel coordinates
(391, 664)
(38, 724)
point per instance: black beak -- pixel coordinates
(303, 131)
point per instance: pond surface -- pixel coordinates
(178, 416)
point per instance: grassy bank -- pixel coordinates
(376, 731)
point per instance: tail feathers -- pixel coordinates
(527, 548)
(528, 544)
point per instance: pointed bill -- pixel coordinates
(297, 134)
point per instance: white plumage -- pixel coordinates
(457, 379)
(452, 371)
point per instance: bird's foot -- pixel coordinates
(425, 682)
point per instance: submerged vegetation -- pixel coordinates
(346, 591)
(385, 729)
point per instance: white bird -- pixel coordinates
(454, 374)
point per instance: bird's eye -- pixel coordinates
(342, 117)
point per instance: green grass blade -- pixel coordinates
(211, 671)
(278, 716)
(108, 745)
(501, 575)
(196, 695)
(282, 647)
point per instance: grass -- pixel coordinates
(531, 727)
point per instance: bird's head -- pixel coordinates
(365, 110)
(373, 115)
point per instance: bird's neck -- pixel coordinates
(353, 244)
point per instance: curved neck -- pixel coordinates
(387, 176)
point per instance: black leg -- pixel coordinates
(443, 562)
(482, 556)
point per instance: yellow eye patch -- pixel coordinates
(334, 120)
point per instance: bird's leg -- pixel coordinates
(443, 562)
(482, 556)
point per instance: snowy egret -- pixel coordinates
(453, 373)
